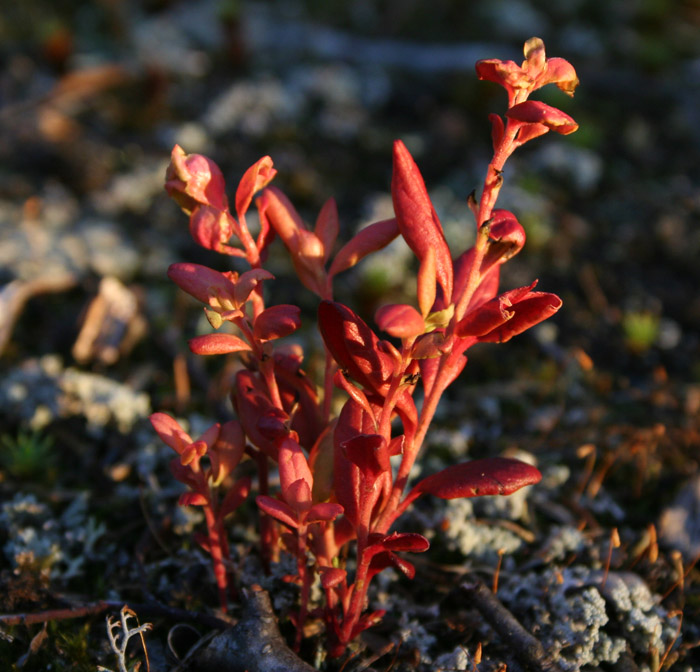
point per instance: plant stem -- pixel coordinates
(216, 542)
(491, 189)
(306, 579)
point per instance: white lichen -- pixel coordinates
(455, 661)
(586, 620)
(53, 547)
(473, 539)
(41, 391)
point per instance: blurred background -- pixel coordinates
(94, 94)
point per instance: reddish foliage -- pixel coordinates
(344, 480)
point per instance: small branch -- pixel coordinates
(150, 610)
(253, 645)
(53, 614)
(525, 647)
(15, 295)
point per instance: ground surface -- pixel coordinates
(605, 397)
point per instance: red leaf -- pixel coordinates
(354, 346)
(561, 73)
(227, 451)
(370, 453)
(255, 178)
(266, 235)
(407, 411)
(355, 393)
(488, 285)
(278, 210)
(497, 129)
(234, 497)
(428, 345)
(327, 227)
(492, 314)
(276, 322)
(217, 344)
(331, 577)
(370, 239)
(204, 284)
(506, 239)
(185, 474)
(529, 132)
(193, 179)
(309, 260)
(537, 112)
(353, 420)
(366, 621)
(278, 510)
(506, 73)
(426, 283)
(533, 309)
(192, 499)
(490, 476)
(404, 566)
(321, 464)
(193, 452)
(247, 282)
(299, 395)
(388, 559)
(210, 228)
(170, 432)
(396, 445)
(305, 248)
(508, 315)
(536, 71)
(252, 403)
(298, 496)
(399, 320)
(272, 423)
(293, 467)
(416, 217)
(323, 512)
(408, 541)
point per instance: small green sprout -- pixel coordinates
(27, 455)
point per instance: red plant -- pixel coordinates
(344, 481)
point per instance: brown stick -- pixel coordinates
(53, 614)
(105, 605)
(14, 296)
(525, 647)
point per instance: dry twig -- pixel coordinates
(525, 647)
(79, 611)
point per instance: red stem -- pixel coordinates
(411, 451)
(328, 373)
(251, 249)
(492, 187)
(267, 370)
(216, 543)
(357, 600)
(267, 530)
(360, 584)
(306, 579)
